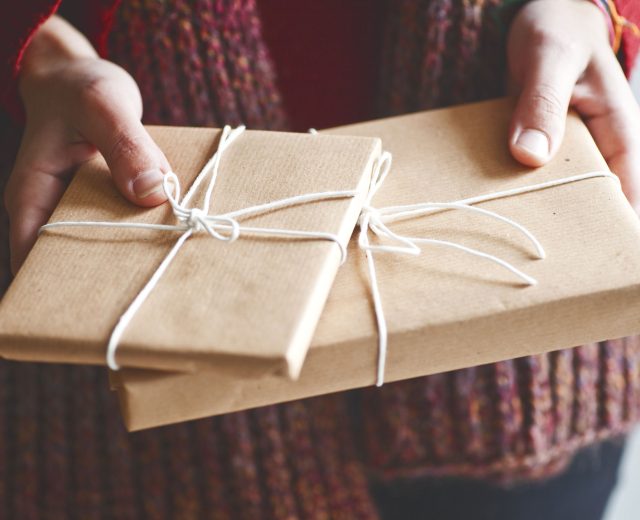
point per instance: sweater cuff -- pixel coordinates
(629, 9)
(94, 18)
(17, 33)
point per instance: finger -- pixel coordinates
(538, 122)
(37, 183)
(608, 107)
(30, 198)
(110, 121)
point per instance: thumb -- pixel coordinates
(136, 162)
(538, 122)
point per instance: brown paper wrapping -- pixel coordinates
(447, 310)
(250, 306)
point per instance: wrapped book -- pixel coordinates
(249, 304)
(445, 309)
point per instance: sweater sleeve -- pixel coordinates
(629, 9)
(93, 18)
(19, 23)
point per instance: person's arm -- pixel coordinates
(560, 56)
(76, 104)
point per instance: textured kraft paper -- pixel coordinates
(250, 306)
(445, 309)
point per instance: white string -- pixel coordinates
(224, 227)
(376, 220)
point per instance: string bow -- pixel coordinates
(377, 220)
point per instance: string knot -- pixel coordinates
(367, 214)
(220, 227)
(196, 219)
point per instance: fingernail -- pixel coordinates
(534, 142)
(147, 183)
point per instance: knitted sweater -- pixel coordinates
(63, 450)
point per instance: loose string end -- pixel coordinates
(382, 349)
(111, 353)
(381, 321)
(529, 279)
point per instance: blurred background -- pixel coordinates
(625, 501)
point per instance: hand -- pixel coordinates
(559, 56)
(76, 105)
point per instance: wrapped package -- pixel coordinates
(249, 305)
(445, 309)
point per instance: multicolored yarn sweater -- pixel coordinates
(63, 450)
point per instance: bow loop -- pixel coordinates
(381, 169)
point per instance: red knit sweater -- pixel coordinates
(203, 62)
(328, 44)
